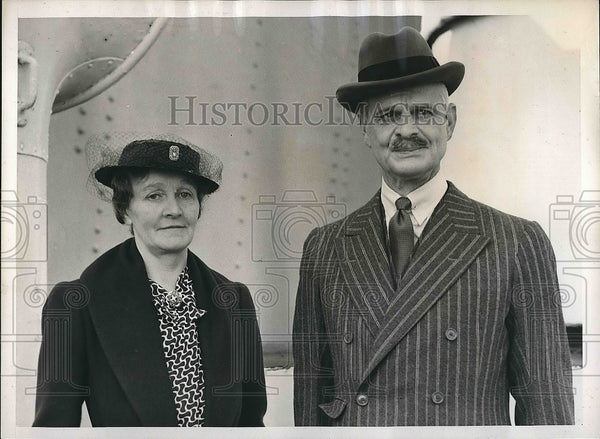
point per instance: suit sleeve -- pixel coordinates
(62, 377)
(312, 357)
(539, 365)
(254, 398)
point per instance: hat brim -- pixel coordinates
(351, 95)
(104, 175)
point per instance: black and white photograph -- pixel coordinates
(382, 215)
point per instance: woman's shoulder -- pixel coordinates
(111, 260)
(67, 295)
(76, 293)
(223, 285)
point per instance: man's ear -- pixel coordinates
(451, 118)
(366, 137)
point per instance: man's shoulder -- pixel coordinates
(493, 221)
(339, 227)
(494, 218)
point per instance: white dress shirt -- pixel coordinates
(423, 200)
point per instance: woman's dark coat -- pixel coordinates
(101, 344)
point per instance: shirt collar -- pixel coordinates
(423, 199)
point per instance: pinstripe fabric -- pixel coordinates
(476, 315)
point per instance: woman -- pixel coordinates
(149, 335)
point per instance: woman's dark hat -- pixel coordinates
(394, 62)
(109, 152)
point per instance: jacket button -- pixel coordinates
(451, 334)
(348, 337)
(362, 400)
(437, 397)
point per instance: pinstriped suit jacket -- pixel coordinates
(477, 315)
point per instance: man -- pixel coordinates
(424, 307)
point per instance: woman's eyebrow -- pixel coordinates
(152, 185)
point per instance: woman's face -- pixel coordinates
(163, 212)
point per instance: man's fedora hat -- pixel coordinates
(394, 62)
(166, 152)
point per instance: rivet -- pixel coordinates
(90, 65)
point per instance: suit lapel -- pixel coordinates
(126, 323)
(450, 243)
(363, 257)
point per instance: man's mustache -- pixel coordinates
(406, 143)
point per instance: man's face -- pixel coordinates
(408, 131)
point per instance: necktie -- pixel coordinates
(401, 236)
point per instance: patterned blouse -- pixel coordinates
(177, 314)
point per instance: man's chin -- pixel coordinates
(408, 171)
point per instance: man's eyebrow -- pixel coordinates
(404, 105)
(381, 109)
(422, 105)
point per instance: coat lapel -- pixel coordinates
(363, 257)
(215, 336)
(450, 243)
(126, 323)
